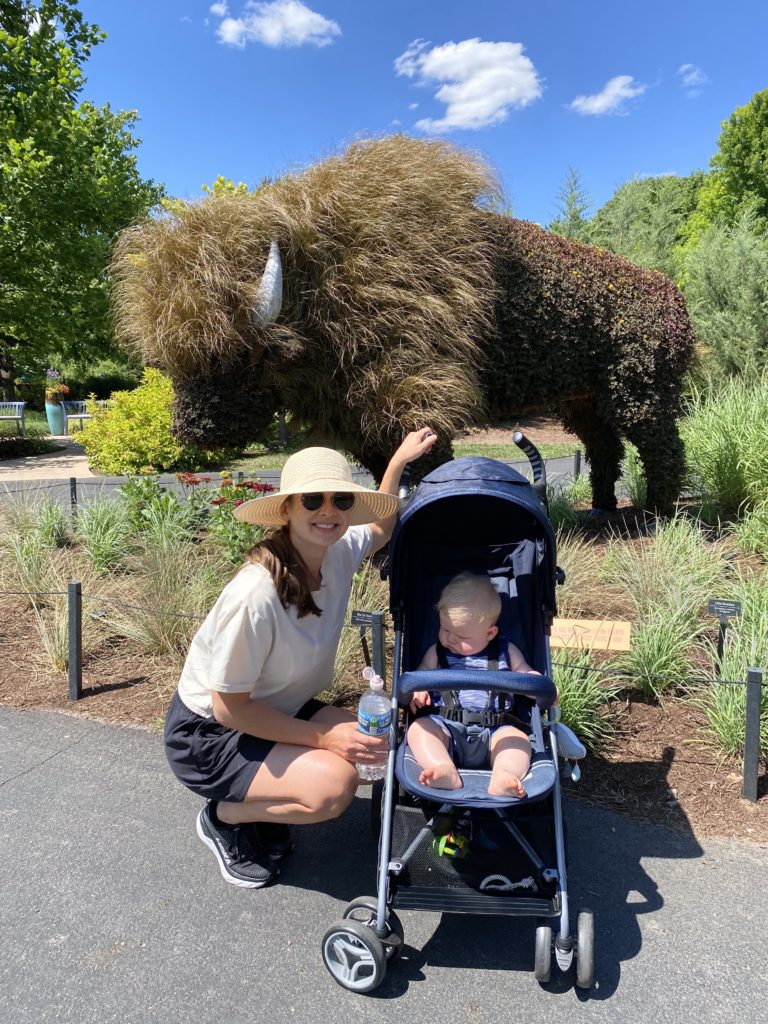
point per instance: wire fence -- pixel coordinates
(374, 621)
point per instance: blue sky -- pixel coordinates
(248, 89)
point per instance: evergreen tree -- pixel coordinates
(572, 205)
(727, 293)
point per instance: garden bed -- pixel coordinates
(659, 766)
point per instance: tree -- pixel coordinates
(645, 219)
(739, 177)
(727, 293)
(572, 205)
(68, 184)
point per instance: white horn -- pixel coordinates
(269, 295)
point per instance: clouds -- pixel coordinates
(611, 98)
(691, 78)
(280, 23)
(478, 81)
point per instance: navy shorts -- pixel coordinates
(213, 761)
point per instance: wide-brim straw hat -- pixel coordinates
(322, 471)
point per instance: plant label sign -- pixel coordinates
(362, 618)
(724, 609)
(599, 635)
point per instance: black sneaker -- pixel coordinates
(242, 856)
(276, 838)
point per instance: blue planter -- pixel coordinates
(54, 413)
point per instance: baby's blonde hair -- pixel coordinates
(475, 597)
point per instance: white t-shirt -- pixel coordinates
(249, 643)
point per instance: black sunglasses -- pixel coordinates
(343, 502)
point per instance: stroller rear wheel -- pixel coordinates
(585, 949)
(363, 909)
(354, 956)
(543, 957)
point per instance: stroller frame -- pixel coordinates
(357, 949)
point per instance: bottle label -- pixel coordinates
(374, 724)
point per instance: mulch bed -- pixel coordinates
(659, 769)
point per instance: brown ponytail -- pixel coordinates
(287, 568)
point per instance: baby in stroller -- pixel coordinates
(473, 728)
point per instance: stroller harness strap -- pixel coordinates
(489, 717)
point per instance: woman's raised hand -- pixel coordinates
(415, 444)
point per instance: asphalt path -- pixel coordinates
(112, 910)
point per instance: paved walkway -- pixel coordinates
(112, 910)
(68, 461)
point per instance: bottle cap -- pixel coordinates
(374, 681)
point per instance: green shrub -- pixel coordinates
(659, 659)
(724, 435)
(564, 500)
(726, 290)
(585, 696)
(746, 647)
(172, 588)
(675, 569)
(583, 591)
(751, 532)
(134, 434)
(103, 528)
(633, 476)
(102, 379)
(53, 523)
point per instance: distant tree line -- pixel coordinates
(708, 231)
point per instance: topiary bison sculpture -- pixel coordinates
(405, 301)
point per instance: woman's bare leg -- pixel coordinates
(297, 785)
(510, 760)
(429, 744)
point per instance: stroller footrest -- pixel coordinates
(459, 901)
(474, 791)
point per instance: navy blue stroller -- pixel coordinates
(463, 851)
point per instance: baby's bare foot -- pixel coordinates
(505, 784)
(441, 777)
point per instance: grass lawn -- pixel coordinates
(35, 423)
(273, 456)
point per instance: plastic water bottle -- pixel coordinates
(374, 715)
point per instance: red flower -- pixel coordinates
(219, 501)
(237, 501)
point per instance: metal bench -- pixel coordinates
(14, 411)
(79, 411)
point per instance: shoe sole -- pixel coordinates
(232, 879)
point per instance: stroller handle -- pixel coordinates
(528, 684)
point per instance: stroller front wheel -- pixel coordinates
(354, 956)
(363, 909)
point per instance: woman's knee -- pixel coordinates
(334, 790)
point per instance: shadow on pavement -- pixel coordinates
(608, 873)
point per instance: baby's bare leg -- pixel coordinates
(429, 744)
(510, 760)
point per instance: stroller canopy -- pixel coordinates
(479, 515)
